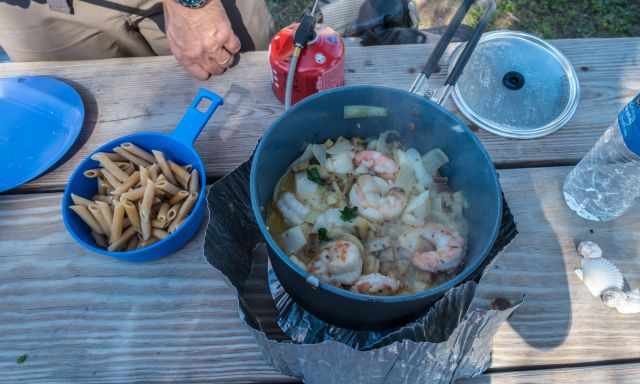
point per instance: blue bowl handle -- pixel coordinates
(193, 121)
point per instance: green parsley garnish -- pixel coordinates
(22, 358)
(348, 214)
(322, 234)
(313, 174)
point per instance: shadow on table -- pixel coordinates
(533, 265)
(90, 119)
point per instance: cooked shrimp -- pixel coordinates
(339, 262)
(376, 199)
(292, 210)
(375, 161)
(376, 284)
(448, 246)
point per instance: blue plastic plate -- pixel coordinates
(40, 119)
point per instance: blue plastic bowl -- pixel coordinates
(177, 146)
(423, 125)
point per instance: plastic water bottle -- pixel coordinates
(607, 181)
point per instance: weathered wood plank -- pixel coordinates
(130, 95)
(618, 374)
(89, 319)
(561, 322)
(86, 318)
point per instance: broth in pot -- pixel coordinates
(370, 216)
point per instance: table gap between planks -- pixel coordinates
(85, 318)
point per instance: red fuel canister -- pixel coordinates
(320, 67)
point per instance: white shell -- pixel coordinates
(625, 303)
(589, 249)
(599, 275)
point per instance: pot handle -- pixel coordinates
(194, 120)
(432, 66)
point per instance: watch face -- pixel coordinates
(193, 3)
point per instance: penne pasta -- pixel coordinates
(173, 212)
(100, 240)
(123, 240)
(110, 166)
(132, 214)
(97, 215)
(146, 243)
(162, 212)
(131, 157)
(164, 166)
(127, 166)
(137, 151)
(184, 211)
(86, 216)
(79, 200)
(163, 184)
(128, 184)
(144, 176)
(132, 243)
(145, 210)
(103, 186)
(139, 192)
(158, 223)
(107, 214)
(114, 156)
(112, 181)
(194, 182)
(153, 172)
(104, 198)
(178, 197)
(182, 176)
(92, 173)
(159, 233)
(133, 195)
(117, 223)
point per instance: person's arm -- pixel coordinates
(201, 39)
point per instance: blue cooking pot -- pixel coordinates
(421, 124)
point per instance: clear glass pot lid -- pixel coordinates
(517, 85)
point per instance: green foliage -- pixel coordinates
(566, 18)
(545, 18)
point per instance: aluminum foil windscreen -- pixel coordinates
(452, 340)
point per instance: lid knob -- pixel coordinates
(513, 80)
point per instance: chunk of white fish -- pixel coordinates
(306, 189)
(422, 176)
(331, 220)
(292, 210)
(434, 160)
(417, 210)
(293, 239)
(341, 163)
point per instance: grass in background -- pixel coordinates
(567, 18)
(545, 18)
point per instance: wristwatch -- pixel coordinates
(192, 3)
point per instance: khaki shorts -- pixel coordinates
(98, 29)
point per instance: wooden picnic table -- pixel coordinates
(82, 317)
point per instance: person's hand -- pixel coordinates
(201, 39)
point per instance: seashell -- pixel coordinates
(613, 297)
(599, 275)
(589, 250)
(625, 303)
